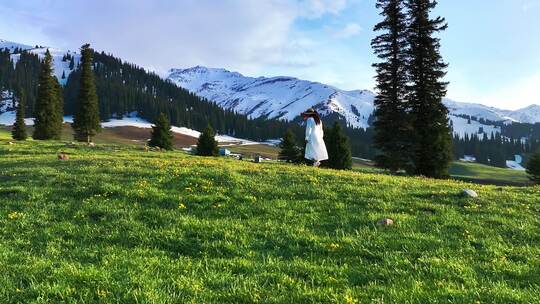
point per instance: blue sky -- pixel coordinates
(492, 46)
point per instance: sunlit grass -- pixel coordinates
(487, 174)
(4, 134)
(120, 225)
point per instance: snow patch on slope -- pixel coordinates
(514, 165)
(476, 110)
(127, 122)
(12, 46)
(8, 119)
(131, 120)
(462, 127)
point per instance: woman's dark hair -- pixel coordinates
(314, 114)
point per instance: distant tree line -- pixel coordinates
(521, 130)
(510, 130)
(493, 149)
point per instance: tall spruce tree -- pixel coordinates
(207, 144)
(19, 128)
(392, 137)
(426, 68)
(289, 149)
(86, 119)
(161, 133)
(49, 104)
(339, 149)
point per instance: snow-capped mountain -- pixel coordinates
(530, 114)
(276, 97)
(60, 66)
(478, 110)
(287, 97)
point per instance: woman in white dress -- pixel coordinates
(315, 147)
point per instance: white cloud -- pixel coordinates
(236, 34)
(350, 30)
(519, 94)
(527, 5)
(317, 8)
(511, 96)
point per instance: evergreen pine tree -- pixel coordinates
(533, 167)
(72, 63)
(19, 128)
(161, 133)
(86, 119)
(392, 128)
(339, 149)
(432, 140)
(497, 153)
(207, 144)
(49, 104)
(289, 149)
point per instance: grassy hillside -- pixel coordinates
(119, 225)
(138, 137)
(465, 171)
(483, 174)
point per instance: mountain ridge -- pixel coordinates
(281, 97)
(260, 96)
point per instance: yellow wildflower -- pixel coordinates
(101, 293)
(334, 246)
(349, 299)
(14, 215)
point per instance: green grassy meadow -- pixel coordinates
(135, 138)
(116, 224)
(483, 174)
(466, 171)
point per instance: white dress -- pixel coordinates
(315, 148)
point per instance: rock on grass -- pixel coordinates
(385, 222)
(63, 156)
(469, 193)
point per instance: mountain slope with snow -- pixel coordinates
(61, 67)
(478, 110)
(286, 97)
(530, 114)
(276, 97)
